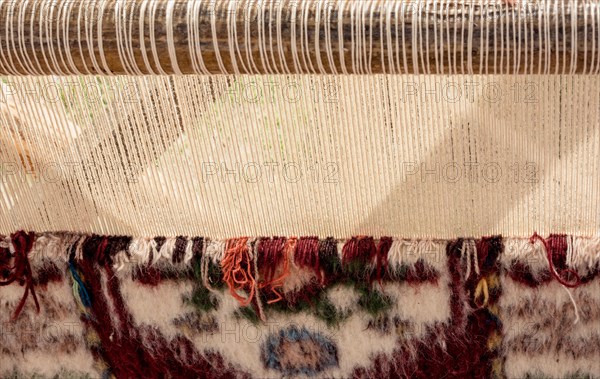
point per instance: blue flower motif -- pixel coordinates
(298, 351)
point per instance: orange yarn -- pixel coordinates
(237, 269)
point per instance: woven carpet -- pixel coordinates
(75, 306)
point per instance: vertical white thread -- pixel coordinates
(280, 41)
(130, 48)
(100, 37)
(213, 23)
(142, 36)
(341, 41)
(232, 34)
(328, 41)
(386, 29)
(317, 36)
(152, 18)
(170, 40)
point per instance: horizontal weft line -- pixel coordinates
(568, 259)
(311, 36)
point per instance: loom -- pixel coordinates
(154, 150)
(299, 37)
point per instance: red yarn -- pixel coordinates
(422, 272)
(270, 257)
(307, 255)
(147, 275)
(179, 249)
(273, 254)
(556, 250)
(521, 273)
(359, 248)
(20, 271)
(457, 296)
(133, 351)
(457, 350)
(383, 247)
(46, 273)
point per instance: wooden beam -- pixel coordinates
(65, 37)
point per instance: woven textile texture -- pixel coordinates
(75, 305)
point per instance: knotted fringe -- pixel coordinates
(556, 247)
(383, 248)
(249, 266)
(359, 249)
(274, 256)
(556, 252)
(307, 255)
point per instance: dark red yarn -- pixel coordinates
(521, 272)
(179, 250)
(133, 351)
(197, 244)
(383, 247)
(20, 271)
(556, 251)
(47, 273)
(115, 245)
(457, 295)
(422, 272)
(329, 260)
(488, 251)
(464, 353)
(270, 257)
(557, 245)
(147, 275)
(307, 294)
(359, 249)
(307, 255)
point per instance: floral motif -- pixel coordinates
(295, 351)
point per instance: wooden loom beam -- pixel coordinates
(398, 36)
